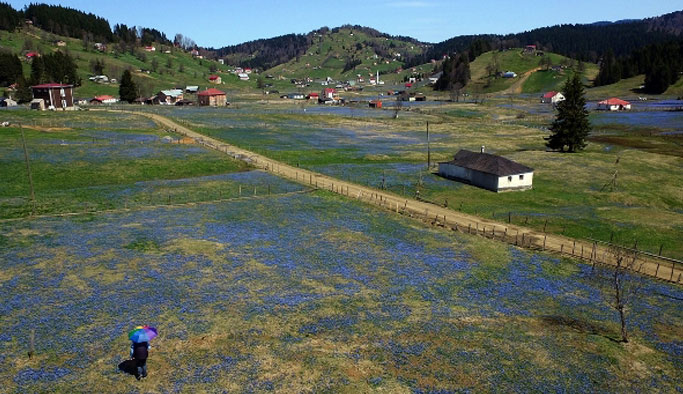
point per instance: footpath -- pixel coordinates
(592, 252)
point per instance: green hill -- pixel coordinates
(153, 71)
(531, 76)
(346, 52)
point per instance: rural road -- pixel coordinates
(436, 215)
(516, 88)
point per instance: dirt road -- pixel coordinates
(517, 87)
(433, 214)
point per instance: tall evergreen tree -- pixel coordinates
(38, 74)
(24, 93)
(127, 89)
(571, 126)
(10, 69)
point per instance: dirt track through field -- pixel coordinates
(433, 214)
(517, 87)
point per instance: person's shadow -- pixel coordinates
(129, 367)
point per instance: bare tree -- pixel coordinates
(398, 106)
(622, 286)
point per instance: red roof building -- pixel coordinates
(31, 55)
(56, 95)
(614, 104)
(212, 98)
(215, 79)
(104, 99)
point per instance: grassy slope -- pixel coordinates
(514, 60)
(330, 52)
(195, 71)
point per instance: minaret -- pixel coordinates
(377, 79)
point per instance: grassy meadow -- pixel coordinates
(258, 284)
(314, 293)
(372, 148)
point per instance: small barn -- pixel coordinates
(487, 171)
(38, 104)
(509, 74)
(215, 79)
(552, 98)
(212, 97)
(375, 104)
(169, 97)
(614, 104)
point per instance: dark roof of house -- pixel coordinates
(488, 163)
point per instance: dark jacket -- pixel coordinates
(139, 351)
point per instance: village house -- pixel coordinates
(530, 49)
(614, 104)
(552, 98)
(32, 55)
(328, 94)
(55, 95)
(243, 76)
(509, 74)
(60, 43)
(169, 97)
(150, 48)
(191, 89)
(105, 99)
(100, 47)
(212, 98)
(215, 79)
(375, 104)
(7, 102)
(312, 96)
(487, 171)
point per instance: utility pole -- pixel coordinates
(28, 169)
(429, 161)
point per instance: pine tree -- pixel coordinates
(127, 89)
(571, 126)
(24, 93)
(38, 75)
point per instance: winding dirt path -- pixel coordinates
(433, 214)
(517, 87)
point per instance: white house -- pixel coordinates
(614, 104)
(487, 171)
(552, 98)
(243, 76)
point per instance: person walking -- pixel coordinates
(139, 348)
(139, 353)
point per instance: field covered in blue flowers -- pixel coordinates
(314, 293)
(645, 206)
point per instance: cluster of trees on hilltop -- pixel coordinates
(661, 64)
(10, 18)
(133, 34)
(266, 53)
(581, 42)
(68, 21)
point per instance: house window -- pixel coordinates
(509, 179)
(521, 177)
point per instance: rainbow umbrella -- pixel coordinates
(142, 334)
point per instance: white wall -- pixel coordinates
(518, 181)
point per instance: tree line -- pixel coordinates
(54, 67)
(661, 64)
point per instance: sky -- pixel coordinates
(218, 23)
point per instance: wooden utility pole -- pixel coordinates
(429, 161)
(28, 169)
